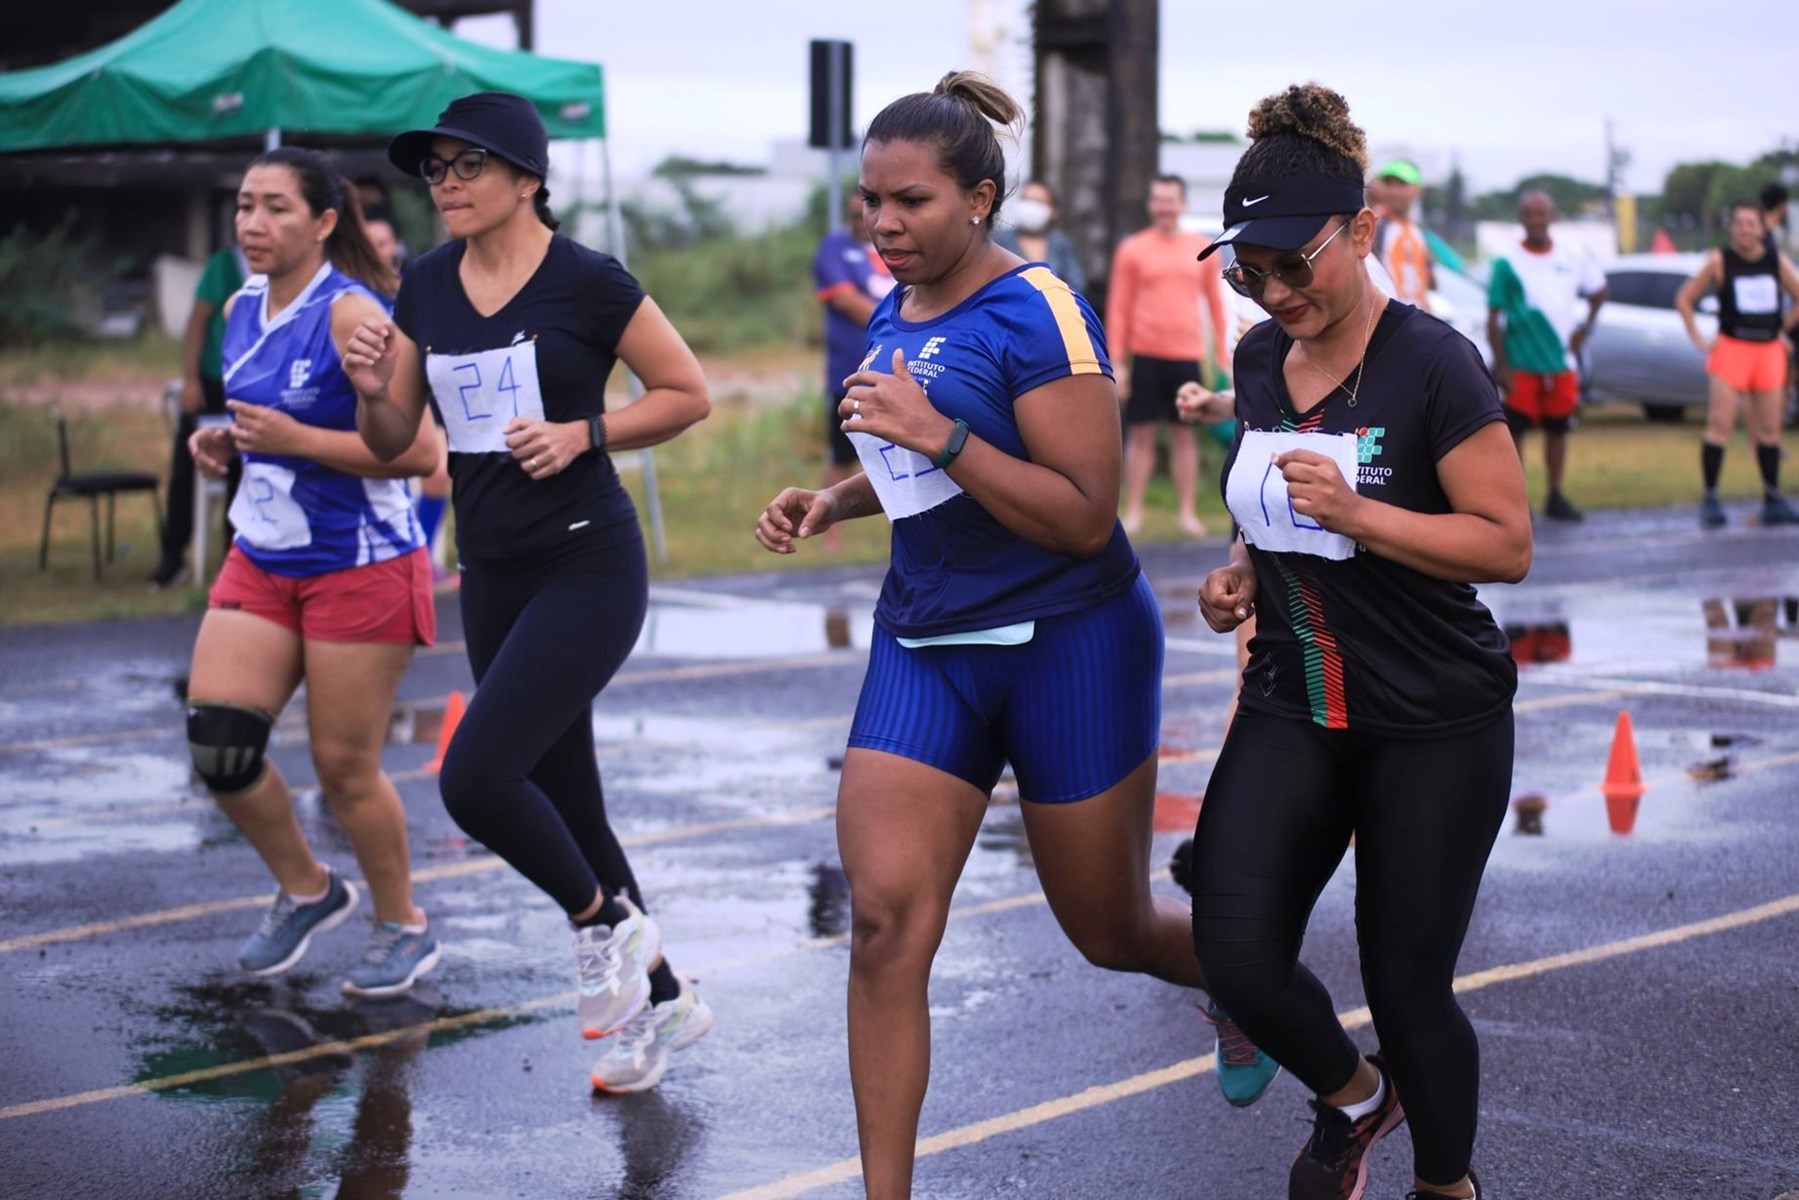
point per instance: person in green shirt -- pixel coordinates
(202, 391)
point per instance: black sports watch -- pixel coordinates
(957, 438)
(596, 431)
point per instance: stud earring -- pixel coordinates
(974, 220)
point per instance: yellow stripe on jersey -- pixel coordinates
(1082, 359)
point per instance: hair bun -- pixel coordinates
(983, 95)
(1310, 111)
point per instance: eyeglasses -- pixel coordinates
(467, 165)
(1294, 270)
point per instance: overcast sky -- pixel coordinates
(1507, 88)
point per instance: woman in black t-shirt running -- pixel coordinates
(510, 331)
(1375, 482)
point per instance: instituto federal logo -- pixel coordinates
(1367, 443)
(297, 372)
(930, 348)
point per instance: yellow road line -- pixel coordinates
(194, 911)
(226, 1070)
(482, 1017)
(475, 866)
(980, 1131)
(962, 1136)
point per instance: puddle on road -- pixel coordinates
(44, 816)
(756, 630)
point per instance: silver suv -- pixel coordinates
(1640, 352)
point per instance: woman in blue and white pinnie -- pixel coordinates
(1014, 623)
(510, 331)
(327, 579)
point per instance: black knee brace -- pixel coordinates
(227, 742)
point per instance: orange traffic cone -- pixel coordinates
(453, 709)
(1623, 786)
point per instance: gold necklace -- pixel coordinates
(1361, 363)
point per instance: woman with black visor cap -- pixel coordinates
(1375, 483)
(510, 331)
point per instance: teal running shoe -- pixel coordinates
(1244, 1072)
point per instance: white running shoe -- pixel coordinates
(637, 1058)
(612, 971)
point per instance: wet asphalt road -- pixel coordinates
(1637, 997)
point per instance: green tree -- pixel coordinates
(1572, 196)
(1685, 189)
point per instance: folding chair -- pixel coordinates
(93, 486)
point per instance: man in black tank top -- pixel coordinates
(1747, 361)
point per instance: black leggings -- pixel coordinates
(1284, 800)
(520, 776)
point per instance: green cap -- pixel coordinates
(1402, 169)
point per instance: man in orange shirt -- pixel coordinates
(1399, 241)
(1157, 314)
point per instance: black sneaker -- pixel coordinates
(168, 573)
(1711, 514)
(1180, 867)
(1472, 1178)
(1559, 508)
(1776, 511)
(1334, 1163)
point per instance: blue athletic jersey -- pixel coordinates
(293, 516)
(954, 567)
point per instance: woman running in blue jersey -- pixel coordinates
(509, 331)
(326, 581)
(1014, 624)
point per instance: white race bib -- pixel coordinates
(265, 513)
(480, 394)
(905, 481)
(1256, 493)
(1757, 294)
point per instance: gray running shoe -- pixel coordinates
(612, 971)
(1711, 514)
(637, 1058)
(393, 961)
(287, 928)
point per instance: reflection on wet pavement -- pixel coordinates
(1745, 632)
(1544, 642)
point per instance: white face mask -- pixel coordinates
(1031, 216)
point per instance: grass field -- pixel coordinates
(713, 481)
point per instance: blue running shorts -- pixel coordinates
(1075, 709)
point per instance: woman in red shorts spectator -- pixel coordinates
(1748, 359)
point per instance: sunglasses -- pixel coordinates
(467, 165)
(1293, 270)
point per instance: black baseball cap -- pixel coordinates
(498, 122)
(1284, 214)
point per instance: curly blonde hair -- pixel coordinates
(1303, 131)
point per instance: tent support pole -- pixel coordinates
(615, 233)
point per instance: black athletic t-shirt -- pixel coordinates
(1360, 641)
(546, 354)
(1749, 297)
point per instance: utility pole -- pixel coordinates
(1097, 137)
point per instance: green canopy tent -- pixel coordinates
(223, 70)
(224, 73)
